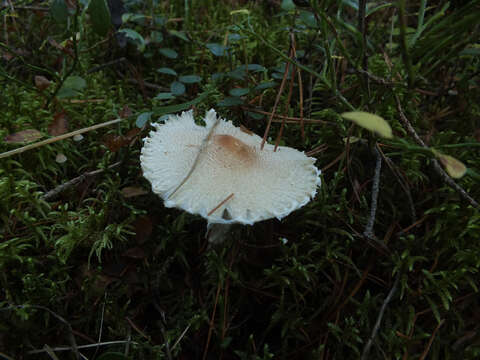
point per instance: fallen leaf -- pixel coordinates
(115, 142)
(143, 228)
(24, 136)
(454, 167)
(59, 125)
(60, 158)
(125, 112)
(131, 191)
(132, 133)
(41, 82)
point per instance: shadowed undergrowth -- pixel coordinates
(93, 266)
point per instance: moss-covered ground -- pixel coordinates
(382, 264)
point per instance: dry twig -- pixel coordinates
(436, 165)
(62, 187)
(57, 138)
(367, 347)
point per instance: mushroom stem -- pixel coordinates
(217, 232)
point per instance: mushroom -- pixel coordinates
(219, 171)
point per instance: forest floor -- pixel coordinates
(383, 263)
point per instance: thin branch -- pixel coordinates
(6, 356)
(163, 325)
(289, 119)
(277, 100)
(430, 341)
(74, 347)
(68, 348)
(289, 96)
(107, 64)
(197, 158)
(403, 183)
(75, 59)
(32, 8)
(149, 85)
(57, 138)
(220, 204)
(436, 165)
(181, 336)
(300, 88)
(212, 319)
(367, 347)
(374, 78)
(79, 179)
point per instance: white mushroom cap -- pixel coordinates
(219, 172)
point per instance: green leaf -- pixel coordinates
(374, 9)
(169, 53)
(255, 116)
(24, 136)
(288, 5)
(177, 88)
(135, 37)
(434, 308)
(240, 12)
(217, 49)
(137, 18)
(59, 11)
(170, 109)
(254, 67)
(470, 51)
(455, 168)
(72, 86)
(279, 76)
(100, 16)
(167, 71)
(237, 74)
(180, 35)
(239, 91)
(160, 20)
(164, 96)
(156, 36)
(233, 37)
(190, 79)
(473, 174)
(308, 19)
(143, 118)
(230, 101)
(265, 85)
(218, 76)
(370, 122)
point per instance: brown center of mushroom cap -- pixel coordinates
(233, 149)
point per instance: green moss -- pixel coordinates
(125, 268)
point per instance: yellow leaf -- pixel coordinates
(240, 11)
(370, 122)
(24, 136)
(454, 167)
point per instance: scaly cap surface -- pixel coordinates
(197, 168)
